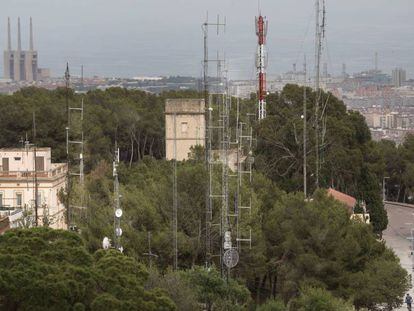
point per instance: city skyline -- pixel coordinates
(135, 38)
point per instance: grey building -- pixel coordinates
(399, 76)
(20, 65)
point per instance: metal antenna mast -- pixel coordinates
(36, 185)
(261, 32)
(319, 34)
(68, 188)
(175, 199)
(209, 135)
(75, 144)
(150, 254)
(117, 206)
(305, 134)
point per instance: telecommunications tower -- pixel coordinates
(261, 32)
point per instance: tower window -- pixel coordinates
(184, 127)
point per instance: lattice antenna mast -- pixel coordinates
(74, 153)
(209, 134)
(117, 204)
(319, 35)
(35, 182)
(261, 32)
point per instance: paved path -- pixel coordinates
(401, 221)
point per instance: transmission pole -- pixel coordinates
(305, 134)
(175, 199)
(36, 186)
(68, 210)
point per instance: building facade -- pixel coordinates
(399, 77)
(21, 169)
(20, 65)
(184, 127)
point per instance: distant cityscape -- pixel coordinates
(386, 100)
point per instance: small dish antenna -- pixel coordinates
(118, 213)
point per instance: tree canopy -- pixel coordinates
(45, 269)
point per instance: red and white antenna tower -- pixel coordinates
(261, 32)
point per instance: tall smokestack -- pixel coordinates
(9, 46)
(19, 36)
(31, 34)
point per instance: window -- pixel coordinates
(5, 164)
(40, 164)
(184, 127)
(19, 199)
(17, 158)
(39, 198)
(1, 199)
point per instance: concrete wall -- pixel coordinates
(184, 126)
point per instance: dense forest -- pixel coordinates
(305, 255)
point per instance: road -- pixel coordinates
(400, 223)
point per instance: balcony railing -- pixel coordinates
(56, 171)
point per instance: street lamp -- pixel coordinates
(383, 188)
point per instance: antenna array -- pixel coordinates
(74, 153)
(117, 206)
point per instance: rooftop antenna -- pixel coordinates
(376, 61)
(9, 44)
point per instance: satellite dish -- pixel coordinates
(118, 232)
(231, 258)
(118, 213)
(106, 243)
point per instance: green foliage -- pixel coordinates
(135, 119)
(272, 305)
(176, 287)
(216, 292)
(317, 299)
(45, 269)
(315, 244)
(349, 160)
(306, 254)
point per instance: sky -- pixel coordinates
(127, 38)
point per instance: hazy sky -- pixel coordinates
(163, 37)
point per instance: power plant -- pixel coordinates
(20, 65)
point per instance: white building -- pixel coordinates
(19, 168)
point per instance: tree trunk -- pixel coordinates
(132, 151)
(150, 149)
(144, 145)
